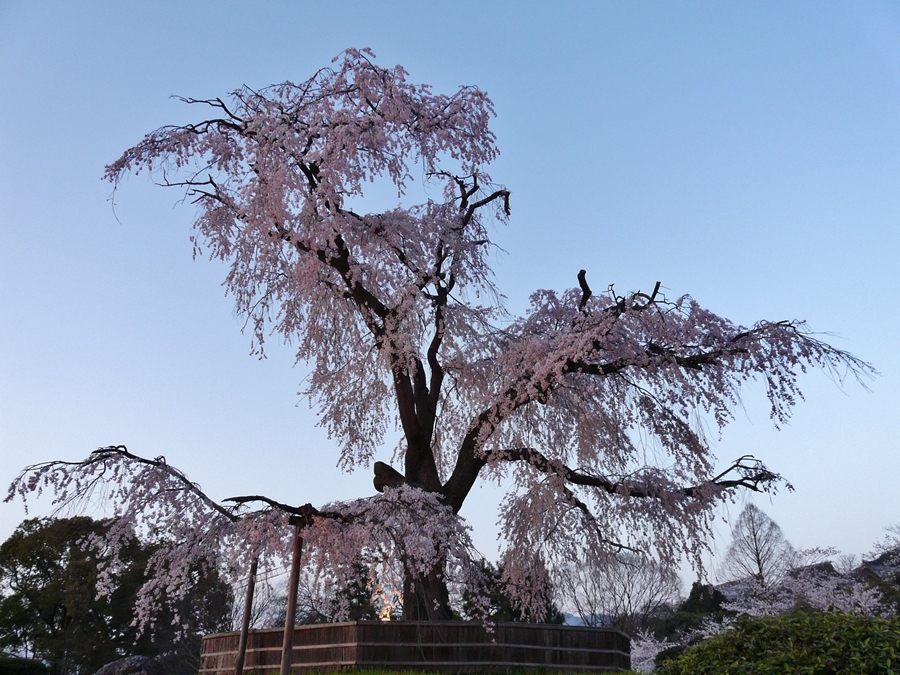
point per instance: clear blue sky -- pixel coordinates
(745, 153)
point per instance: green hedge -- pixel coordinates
(11, 665)
(808, 643)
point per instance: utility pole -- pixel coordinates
(287, 647)
(245, 622)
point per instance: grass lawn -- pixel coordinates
(368, 671)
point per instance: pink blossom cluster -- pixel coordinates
(818, 588)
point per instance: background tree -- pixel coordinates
(501, 604)
(49, 578)
(704, 604)
(668, 636)
(16, 665)
(625, 592)
(595, 403)
(888, 550)
(49, 573)
(758, 549)
(880, 568)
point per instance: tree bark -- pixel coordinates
(426, 598)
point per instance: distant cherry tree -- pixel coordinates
(594, 403)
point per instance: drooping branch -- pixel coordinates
(102, 465)
(608, 349)
(573, 499)
(99, 460)
(193, 534)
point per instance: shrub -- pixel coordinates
(817, 643)
(11, 665)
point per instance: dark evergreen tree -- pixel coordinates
(50, 608)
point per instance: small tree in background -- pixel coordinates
(595, 403)
(625, 592)
(758, 549)
(882, 568)
(770, 577)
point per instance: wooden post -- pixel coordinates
(245, 622)
(287, 647)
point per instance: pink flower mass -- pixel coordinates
(598, 405)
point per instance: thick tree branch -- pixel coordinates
(751, 473)
(306, 512)
(585, 289)
(437, 371)
(387, 476)
(474, 206)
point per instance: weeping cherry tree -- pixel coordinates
(593, 403)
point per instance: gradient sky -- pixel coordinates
(747, 154)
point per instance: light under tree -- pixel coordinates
(595, 403)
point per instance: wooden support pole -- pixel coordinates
(245, 621)
(287, 647)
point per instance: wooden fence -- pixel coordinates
(451, 646)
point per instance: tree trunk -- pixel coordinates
(426, 598)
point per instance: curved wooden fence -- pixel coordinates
(451, 646)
